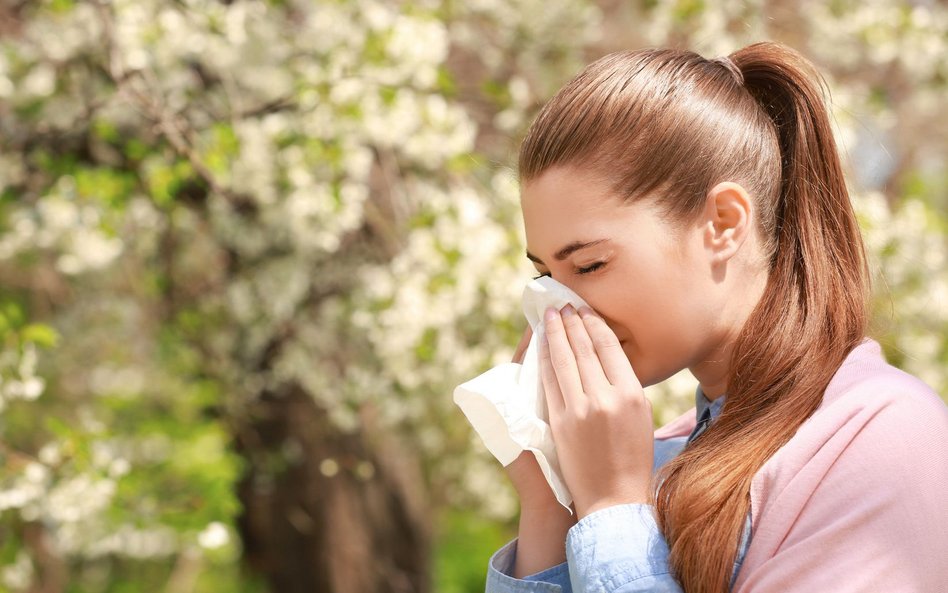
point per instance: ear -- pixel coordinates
(728, 220)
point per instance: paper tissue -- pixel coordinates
(507, 405)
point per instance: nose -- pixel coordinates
(565, 282)
(568, 284)
(616, 329)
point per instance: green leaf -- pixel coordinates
(40, 334)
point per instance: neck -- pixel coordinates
(712, 372)
(712, 367)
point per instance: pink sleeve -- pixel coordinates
(680, 426)
(859, 503)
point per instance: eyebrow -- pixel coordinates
(567, 251)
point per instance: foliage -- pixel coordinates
(185, 184)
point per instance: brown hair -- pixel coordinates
(669, 124)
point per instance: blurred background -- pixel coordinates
(248, 248)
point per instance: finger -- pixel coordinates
(591, 373)
(563, 361)
(614, 362)
(551, 389)
(522, 346)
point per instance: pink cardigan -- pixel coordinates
(857, 500)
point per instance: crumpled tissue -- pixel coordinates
(506, 405)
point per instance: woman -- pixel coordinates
(700, 208)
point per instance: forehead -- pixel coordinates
(564, 205)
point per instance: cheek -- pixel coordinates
(649, 315)
(640, 301)
(619, 307)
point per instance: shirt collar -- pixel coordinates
(702, 403)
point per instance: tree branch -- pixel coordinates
(141, 88)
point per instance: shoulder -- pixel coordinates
(865, 371)
(880, 403)
(879, 440)
(871, 412)
(889, 424)
(869, 467)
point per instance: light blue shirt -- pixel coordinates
(619, 549)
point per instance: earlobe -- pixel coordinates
(728, 216)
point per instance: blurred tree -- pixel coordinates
(249, 248)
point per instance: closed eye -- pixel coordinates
(591, 268)
(586, 270)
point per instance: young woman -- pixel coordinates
(699, 207)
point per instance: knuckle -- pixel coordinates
(545, 354)
(639, 404)
(560, 361)
(630, 394)
(553, 328)
(573, 325)
(582, 413)
(584, 349)
(603, 413)
(595, 323)
(596, 407)
(605, 342)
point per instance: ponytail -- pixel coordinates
(812, 313)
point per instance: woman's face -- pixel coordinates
(652, 282)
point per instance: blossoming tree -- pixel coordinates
(249, 248)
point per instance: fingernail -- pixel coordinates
(550, 314)
(568, 311)
(585, 311)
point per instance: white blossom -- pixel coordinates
(214, 536)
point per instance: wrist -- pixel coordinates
(548, 508)
(542, 539)
(583, 511)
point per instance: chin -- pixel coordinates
(646, 373)
(639, 367)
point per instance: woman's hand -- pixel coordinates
(524, 472)
(544, 522)
(601, 420)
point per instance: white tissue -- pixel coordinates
(507, 405)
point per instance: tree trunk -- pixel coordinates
(326, 511)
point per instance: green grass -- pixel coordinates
(464, 543)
